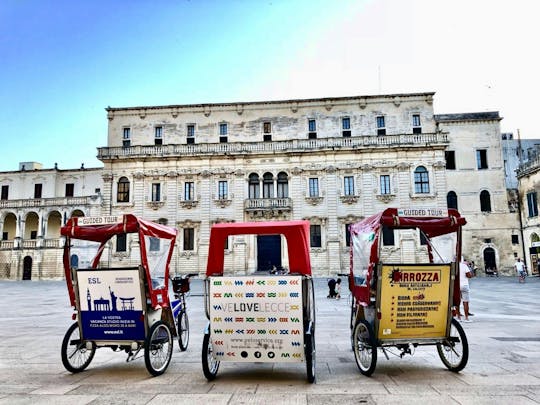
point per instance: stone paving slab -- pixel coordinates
(503, 368)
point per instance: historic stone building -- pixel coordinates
(34, 204)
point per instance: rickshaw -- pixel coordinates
(404, 282)
(264, 316)
(125, 307)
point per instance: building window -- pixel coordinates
(515, 240)
(312, 129)
(451, 200)
(348, 234)
(385, 184)
(481, 159)
(189, 238)
(532, 204)
(126, 137)
(70, 189)
(223, 131)
(450, 157)
(421, 180)
(121, 242)
(268, 185)
(156, 192)
(348, 185)
(158, 136)
(388, 236)
(282, 185)
(485, 201)
(223, 190)
(37, 190)
(154, 244)
(417, 127)
(381, 126)
(5, 235)
(254, 186)
(122, 194)
(267, 127)
(190, 134)
(314, 187)
(33, 234)
(346, 127)
(5, 192)
(315, 236)
(189, 191)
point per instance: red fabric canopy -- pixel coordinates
(296, 233)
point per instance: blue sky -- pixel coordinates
(64, 62)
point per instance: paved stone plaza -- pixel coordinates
(504, 362)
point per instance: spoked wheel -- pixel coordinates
(309, 342)
(210, 365)
(158, 348)
(454, 351)
(182, 326)
(75, 356)
(365, 347)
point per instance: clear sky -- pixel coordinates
(62, 62)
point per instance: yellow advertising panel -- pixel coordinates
(414, 301)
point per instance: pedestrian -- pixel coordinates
(521, 270)
(338, 288)
(331, 288)
(464, 276)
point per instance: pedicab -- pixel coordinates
(264, 316)
(404, 281)
(121, 299)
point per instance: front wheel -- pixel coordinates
(75, 356)
(365, 347)
(182, 325)
(158, 348)
(210, 365)
(309, 339)
(454, 351)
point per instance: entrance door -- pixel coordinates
(268, 252)
(489, 258)
(27, 268)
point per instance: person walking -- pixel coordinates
(464, 276)
(521, 270)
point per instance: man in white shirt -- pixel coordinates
(464, 276)
(521, 271)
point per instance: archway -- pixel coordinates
(490, 261)
(27, 268)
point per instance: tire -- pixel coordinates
(158, 347)
(182, 327)
(75, 356)
(353, 317)
(210, 365)
(309, 347)
(365, 347)
(454, 352)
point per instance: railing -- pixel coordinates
(54, 243)
(295, 145)
(46, 202)
(7, 244)
(268, 203)
(532, 165)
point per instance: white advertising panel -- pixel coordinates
(257, 319)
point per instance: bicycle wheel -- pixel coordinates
(75, 356)
(182, 325)
(454, 351)
(210, 365)
(158, 348)
(365, 347)
(309, 342)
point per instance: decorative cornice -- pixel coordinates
(349, 199)
(222, 203)
(189, 204)
(155, 205)
(314, 200)
(385, 198)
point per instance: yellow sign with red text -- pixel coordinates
(414, 301)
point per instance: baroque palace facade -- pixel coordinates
(331, 161)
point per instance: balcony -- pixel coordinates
(18, 243)
(296, 145)
(267, 207)
(47, 202)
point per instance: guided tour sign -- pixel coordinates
(414, 301)
(257, 319)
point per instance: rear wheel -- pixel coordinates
(75, 356)
(158, 348)
(309, 342)
(182, 325)
(454, 351)
(210, 365)
(365, 347)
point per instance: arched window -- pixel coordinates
(485, 201)
(254, 186)
(268, 185)
(421, 180)
(282, 185)
(122, 194)
(451, 200)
